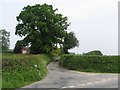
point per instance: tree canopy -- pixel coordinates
(42, 27)
(4, 40)
(18, 46)
(70, 41)
(94, 52)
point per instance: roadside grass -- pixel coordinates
(96, 63)
(19, 70)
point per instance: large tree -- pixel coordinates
(42, 27)
(4, 40)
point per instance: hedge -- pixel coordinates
(100, 64)
(19, 70)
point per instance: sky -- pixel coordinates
(94, 22)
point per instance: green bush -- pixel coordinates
(104, 64)
(19, 70)
(56, 52)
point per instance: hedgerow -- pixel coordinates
(102, 64)
(19, 70)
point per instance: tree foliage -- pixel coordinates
(18, 47)
(95, 52)
(42, 27)
(70, 41)
(55, 52)
(4, 40)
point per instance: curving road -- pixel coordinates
(59, 77)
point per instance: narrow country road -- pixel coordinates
(59, 77)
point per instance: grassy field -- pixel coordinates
(99, 64)
(19, 70)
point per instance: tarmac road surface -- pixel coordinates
(61, 78)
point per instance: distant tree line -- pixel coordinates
(94, 52)
(4, 41)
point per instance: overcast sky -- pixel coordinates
(94, 22)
